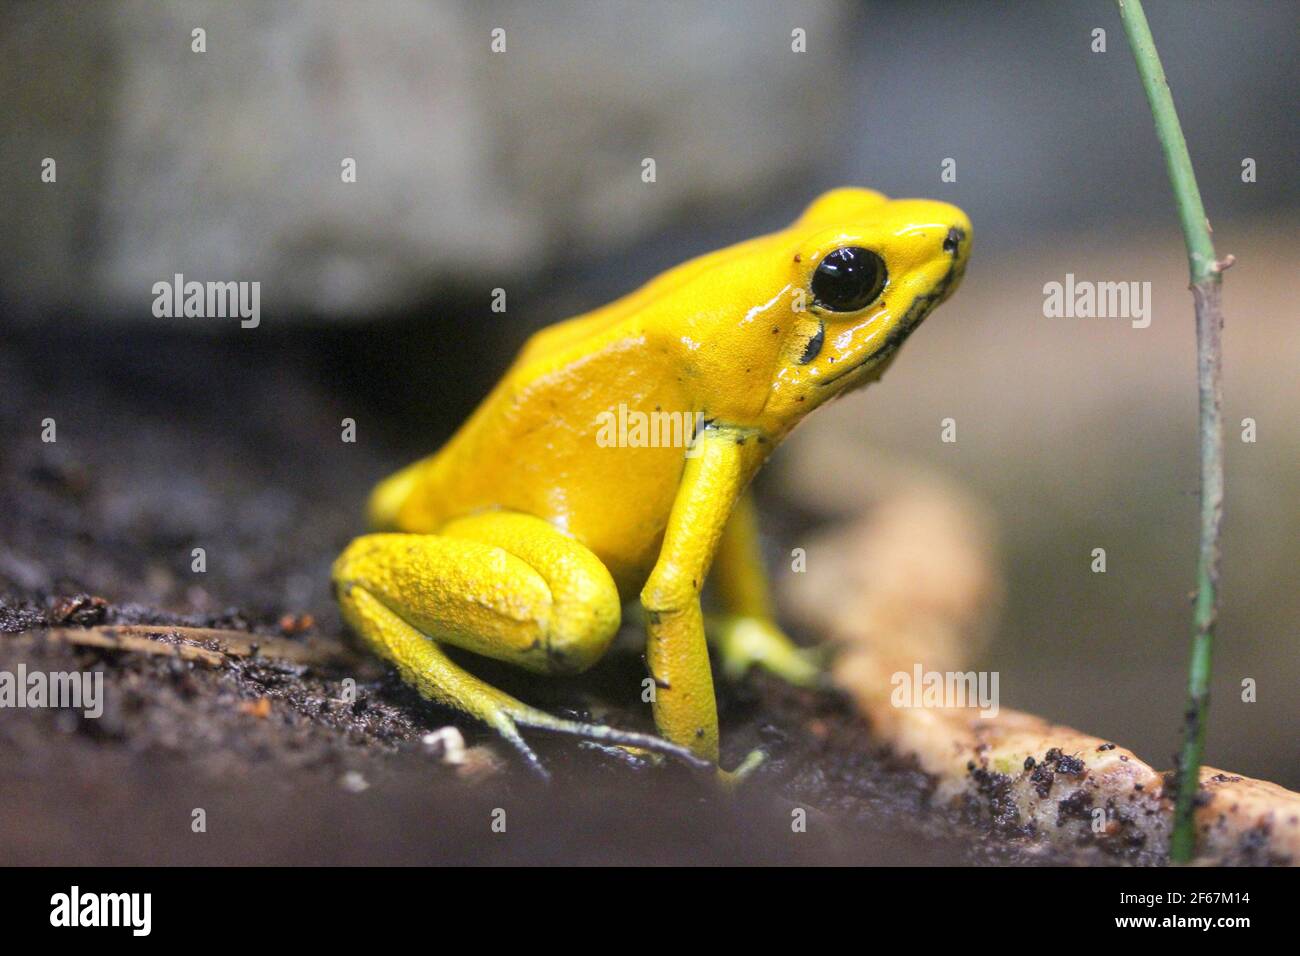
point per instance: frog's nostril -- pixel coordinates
(952, 241)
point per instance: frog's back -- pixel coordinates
(540, 442)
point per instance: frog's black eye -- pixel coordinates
(848, 279)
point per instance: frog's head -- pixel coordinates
(830, 300)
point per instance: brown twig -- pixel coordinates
(212, 647)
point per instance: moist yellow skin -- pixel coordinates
(522, 538)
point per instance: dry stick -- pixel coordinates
(186, 643)
(1205, 285)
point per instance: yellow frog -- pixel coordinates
(523, 537)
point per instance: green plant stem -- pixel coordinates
(1205, 275)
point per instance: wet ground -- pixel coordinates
(165, 444)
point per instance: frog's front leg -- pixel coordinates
(746, 633)
(505, 585)
(712, 481)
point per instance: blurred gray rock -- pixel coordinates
(473, 167)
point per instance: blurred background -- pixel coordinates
(522, 170)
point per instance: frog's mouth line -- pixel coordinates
(921, 306)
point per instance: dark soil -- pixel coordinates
(166, 444)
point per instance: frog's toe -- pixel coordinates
(732, 779)
(635, 757)
(747, 642)
(504, 726)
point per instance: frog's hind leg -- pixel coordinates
(746, 634)
(508, 586)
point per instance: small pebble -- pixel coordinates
(353, 782)
(447, 742)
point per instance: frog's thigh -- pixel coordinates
(507, 586)
(738, 566)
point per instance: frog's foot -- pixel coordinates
(744, 642)
(645, 748)
(547, 605)
(731, 780)
(637, 757)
